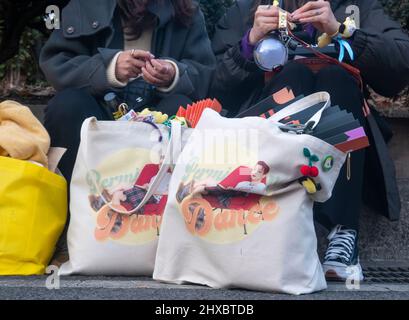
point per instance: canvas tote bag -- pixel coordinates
(118, 194)
(238, 213)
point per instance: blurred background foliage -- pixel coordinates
(23, 67)
(399, 10)
(21, 72)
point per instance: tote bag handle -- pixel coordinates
(304, 104)
(173, 151)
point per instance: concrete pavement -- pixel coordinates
(125, 288)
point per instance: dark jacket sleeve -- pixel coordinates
(70, 63)
(197, 62)
(382, 50)
(233, 70)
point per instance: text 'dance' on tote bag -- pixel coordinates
(33, 212)
(238, 214)
(118, 194)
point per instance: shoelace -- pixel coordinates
(341, 245)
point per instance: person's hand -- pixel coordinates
(130, 63)
(265, 21)
(320, 14)
(159, 73)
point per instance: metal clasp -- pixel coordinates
(298, 128)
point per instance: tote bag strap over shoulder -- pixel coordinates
(173, 151)
(304, 104)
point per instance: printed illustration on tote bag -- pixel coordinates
(123, 180)
(226, 202)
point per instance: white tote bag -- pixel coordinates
(238, 213)
(118, 194)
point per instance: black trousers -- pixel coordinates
(345, 204)
(66, 112)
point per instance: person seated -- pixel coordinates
(381, 54)
(151, 53)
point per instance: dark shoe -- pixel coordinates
(341, 260)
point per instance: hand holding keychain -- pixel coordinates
(271, 53)
(319, 13)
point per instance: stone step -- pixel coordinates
(380, 240)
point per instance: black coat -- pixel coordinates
(77, 55)
(382, 55)
(381, 49)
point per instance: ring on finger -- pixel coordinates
(317, 13)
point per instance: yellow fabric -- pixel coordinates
(22, 136)
(158, 117)
(310, 186)
(33, 211)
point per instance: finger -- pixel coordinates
(133, 65)
(307, 7)
(133, 68)
(159, 66)
(312, 19)
(268, 24)
(167, 69)
(142, 55)
(269, 20)
(150, 78)
(150, 67)
(134, 73)
(153, 72)
(125, 73)
(265, 11)
(266, 28)
(136, 63)
(309, 14)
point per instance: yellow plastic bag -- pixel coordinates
(33, 212)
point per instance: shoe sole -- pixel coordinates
(339, 274)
